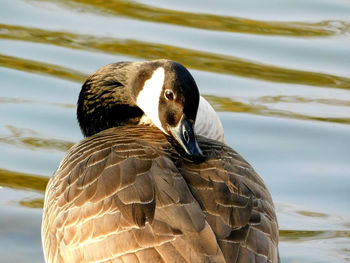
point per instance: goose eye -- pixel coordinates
(169, 95)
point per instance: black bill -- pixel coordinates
(184, 135)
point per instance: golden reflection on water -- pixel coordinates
(41, 68)
(27, 182)
(23, 181)
(194, 59)
(207, 21)
(305, 235)
(32, 203)
(230, 105)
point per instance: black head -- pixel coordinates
(170, 98)
(122, 93)
(180, 96)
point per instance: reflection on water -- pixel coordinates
(305, 235)
(22, 181)
(254, 107)
(210, 22)
(290, 79)
(19, 138)
(192, 58)
(41, 68)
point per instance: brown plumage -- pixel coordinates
(128, 194)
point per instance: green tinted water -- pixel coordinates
(277, 72)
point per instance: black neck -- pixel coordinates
(104, 102)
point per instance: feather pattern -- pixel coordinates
(126, 195)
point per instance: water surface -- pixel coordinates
(277, 73)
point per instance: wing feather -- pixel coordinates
(124, 201)
(125, 195)
(236, 203)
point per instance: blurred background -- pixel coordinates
(276, 71)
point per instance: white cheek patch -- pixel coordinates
(148, 97)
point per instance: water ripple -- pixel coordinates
(195, 59)
(210, 22)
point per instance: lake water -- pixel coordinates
(276, 71)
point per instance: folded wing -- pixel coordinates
(115, 198)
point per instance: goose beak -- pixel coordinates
(184, 135)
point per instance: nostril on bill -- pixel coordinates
(186, 136)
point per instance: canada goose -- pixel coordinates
(142, 187)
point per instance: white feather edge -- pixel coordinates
(207, 122)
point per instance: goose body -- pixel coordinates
(143, 187)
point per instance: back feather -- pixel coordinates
(125, 195)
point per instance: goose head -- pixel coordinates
(161, 93)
